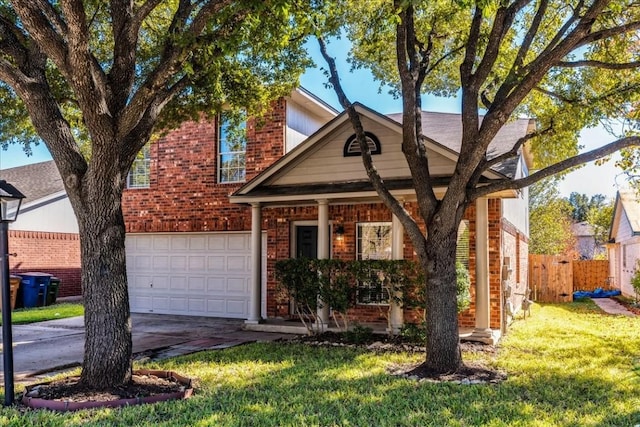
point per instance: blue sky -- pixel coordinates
(360, 86)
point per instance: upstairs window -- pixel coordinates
(232, 146)
(140, 172)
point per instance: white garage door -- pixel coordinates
(195, 274)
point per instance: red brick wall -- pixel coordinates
(279, 221)
(184, 193)
(53, 253)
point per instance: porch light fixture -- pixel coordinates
(10, 200)
(339, 233)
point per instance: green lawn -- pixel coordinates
(567, 365)
(50, 312)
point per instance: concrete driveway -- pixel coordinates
(46, 347)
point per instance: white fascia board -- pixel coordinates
(54, 197)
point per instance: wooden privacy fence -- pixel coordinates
(554, 278)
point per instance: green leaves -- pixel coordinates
(549, 220)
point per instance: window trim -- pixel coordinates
(221, 122)
(145, 161)
(367, 288)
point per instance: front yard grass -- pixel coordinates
(22, 316)
(567, 365)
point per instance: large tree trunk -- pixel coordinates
(108, 347)
(443, 343)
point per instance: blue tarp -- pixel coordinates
(597, 293)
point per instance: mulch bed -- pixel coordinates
(70, 389)
(469, 373)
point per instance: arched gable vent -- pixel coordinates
(352, 148)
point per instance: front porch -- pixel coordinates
(328, 244)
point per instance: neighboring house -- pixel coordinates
(585, 245)
(624, 240)
(198, 245)
(45, 234)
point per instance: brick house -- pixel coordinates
(198, 245)
(45, 235)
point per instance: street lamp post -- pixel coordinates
(10, 200)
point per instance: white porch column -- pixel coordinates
(482, 331)
(396, 317)
(256, 264)
(323, 250)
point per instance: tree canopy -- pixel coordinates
(95, 80)
(568, 64)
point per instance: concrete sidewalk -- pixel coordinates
(45, 347)
(612, 306)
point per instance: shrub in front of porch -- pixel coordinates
(342, 285)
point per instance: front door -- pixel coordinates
(307, 241)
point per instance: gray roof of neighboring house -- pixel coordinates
(582, 229)
(35, 181)
(446, 129)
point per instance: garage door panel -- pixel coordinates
(160, 243)
(143, 302)
(198, 243)
(179, 283)
(216, 284)
(160, 263)
(238, 242)
(236, 263)
(140, 281)
(143, 263)
(216, 243)
(193, 274)
(161, 303)
(197, 263)
(197, 284)
(215, 263)
(236, 285)
(216, 307)
(179, 243)
(237, 307)
(160, 282)
(143, 243)
(179, 263)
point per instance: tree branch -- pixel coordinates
(375, 179)
(506, 184)
(173, 55)
(529, 37)
(600, 64)
(51, 42)
(608, 33)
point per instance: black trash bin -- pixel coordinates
(52, 290)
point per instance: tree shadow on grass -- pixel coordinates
(293, 384)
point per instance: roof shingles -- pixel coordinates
(35, 181)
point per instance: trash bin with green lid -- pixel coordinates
(52, 290)
(33, 288)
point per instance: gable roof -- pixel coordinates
(36, 181)
(446, 129)
(628, 205)
(444, 146)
